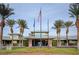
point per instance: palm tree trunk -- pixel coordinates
(22, 39)
(22, 36)
(77, 26)
(21, 33)
(12, 39)
(1, 36)
(67, 37)
(12, 35)
(1, 32)
(78, 38)
(67, 40)
(57, 40)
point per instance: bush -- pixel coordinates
(54, 43)
(25, 43)
(63, 42)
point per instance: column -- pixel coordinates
(49, 43)
(30, 42)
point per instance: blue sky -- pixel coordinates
(51, 11)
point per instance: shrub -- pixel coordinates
(54, 43)
(25, 43)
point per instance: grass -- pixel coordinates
(59, 51)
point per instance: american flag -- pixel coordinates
(34, 23)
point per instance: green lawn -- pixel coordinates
(69, 51)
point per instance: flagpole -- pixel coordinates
(40, 25)
(48, 32)
(48, 27)
(34, 26)
(34, 30)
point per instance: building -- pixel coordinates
(40, 39)
(17, 40)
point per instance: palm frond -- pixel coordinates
(74, 10)
(22, 23)
(10, 22)
(68, 24)
(5, 11)
(58, 25)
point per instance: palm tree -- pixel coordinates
(58, 25)
(74, 12)
(11, 23)
(68, 24)
(22, 24)
(5, 12)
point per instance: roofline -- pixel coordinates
(39, 32)
(14, 34)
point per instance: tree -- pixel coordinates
(5, 12)
(67, 25)
(58, 25)
(22, 24)
(74, 12)
(11, 23)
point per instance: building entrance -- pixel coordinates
(38, 42)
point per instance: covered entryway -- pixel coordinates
(38, 42)
(43, 40)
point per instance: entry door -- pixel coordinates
(44, 43)
(40, 43)
(36, 43)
